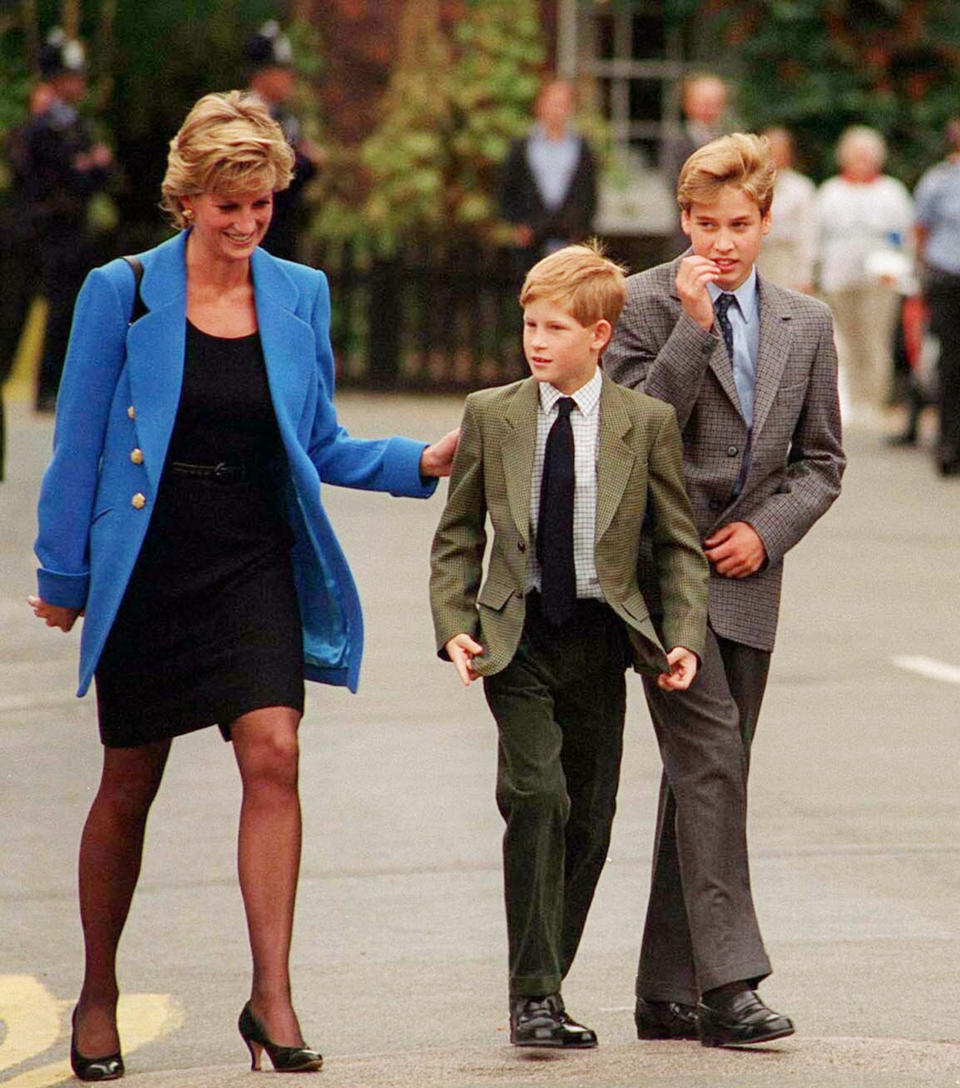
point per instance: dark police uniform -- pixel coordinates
(57, 190)
(269, 48)
(19, 268)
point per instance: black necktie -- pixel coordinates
(558, 581)
(723, 303)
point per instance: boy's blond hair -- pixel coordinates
(742, 160)
(579, 278)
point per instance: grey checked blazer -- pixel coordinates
(639, 479)
(797, 459)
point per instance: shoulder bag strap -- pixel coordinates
(139, 306)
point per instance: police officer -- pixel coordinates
(63, 168)
(19, 261)
(273, 80)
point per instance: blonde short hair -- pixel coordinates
(862, 136)
(581, 280)
(228, 143)
(742, 160)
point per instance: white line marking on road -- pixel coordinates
(930, 668)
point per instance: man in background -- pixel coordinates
(938, 245)
(789, 251)
(62, 169)
(548, 189)
(19, 263)
(273, 80)
(704, 104)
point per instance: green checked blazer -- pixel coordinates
(639, 479)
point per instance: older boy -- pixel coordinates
(567, 465)
(751, 370)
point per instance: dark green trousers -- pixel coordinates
(559, 707)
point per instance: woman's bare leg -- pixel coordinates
(111, 849)
(265, 743)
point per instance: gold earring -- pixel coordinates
(187, 213)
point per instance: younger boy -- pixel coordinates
(752, 373)
(567, 465)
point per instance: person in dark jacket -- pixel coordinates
(19, 263)
(549, 184)
(938, 231)
(63, 167)
(704, 104)
(272, 79)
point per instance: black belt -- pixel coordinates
(584, 608)
(222, 473)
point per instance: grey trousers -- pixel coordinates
(701, 929)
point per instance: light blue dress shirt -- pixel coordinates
(744, 318)
(938, 209)
(553, 164)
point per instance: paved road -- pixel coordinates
(399, 947)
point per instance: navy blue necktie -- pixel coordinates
(723, 303)
(558, 580)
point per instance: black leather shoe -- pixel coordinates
(285, 1059)
(543, 1021)
(109, 1067)
(739, 1019)
(665, 1020)
(906, 438)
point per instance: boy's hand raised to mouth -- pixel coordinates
(693, 275)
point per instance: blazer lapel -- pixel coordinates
(155, 347)
(289, 343)
(614, 457)
(774, 349)
(517, 453)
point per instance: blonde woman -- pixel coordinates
(181, 513)
(866, 218)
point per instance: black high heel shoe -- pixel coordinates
(286, 1059)
(108, 1068)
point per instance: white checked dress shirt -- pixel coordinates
(585, 423)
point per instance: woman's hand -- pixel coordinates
(55, 615)
(437, 460)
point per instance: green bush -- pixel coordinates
(817, 66)
(429, 169)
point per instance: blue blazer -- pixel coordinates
(115, 414)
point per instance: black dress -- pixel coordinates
(209, 626)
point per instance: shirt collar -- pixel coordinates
(61, 113)
(586, 398)
(538, 135)
(745, 294)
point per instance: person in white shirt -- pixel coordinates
(789, 251)
(866, 218)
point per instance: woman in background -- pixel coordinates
(866, 217)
